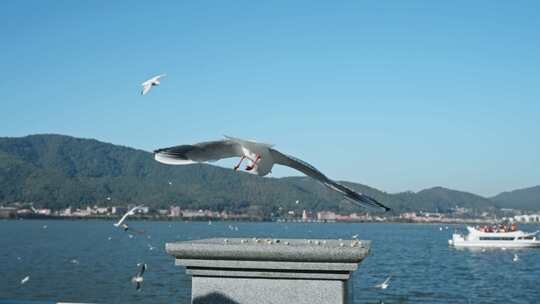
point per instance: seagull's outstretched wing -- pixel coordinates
(141, 271)
(351, 195)
(387, 280)
(158, 77)
(146, 87)
(130, 212)
(198, 153)
(122, 219)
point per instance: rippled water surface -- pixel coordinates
(75, 261)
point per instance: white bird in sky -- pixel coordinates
(25, 279)
(154, 81)
(384, 284)
(121, 223)
(138, 278)
(262, 157)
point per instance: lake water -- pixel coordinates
(74, 261)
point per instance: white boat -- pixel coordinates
(507, 239)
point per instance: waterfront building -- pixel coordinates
(175, 211)
(527, 218)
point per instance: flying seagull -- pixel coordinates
(25, 279)
(138, 278)
(121, 223)
(262, 158)
(384, 284)
(154, 81)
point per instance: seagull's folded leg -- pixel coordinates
(253, 163)
(239, 163)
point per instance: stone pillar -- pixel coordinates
(264, 271)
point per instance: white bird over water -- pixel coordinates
(154, 81)
(516, 258)
(25, 279)
(384, 284)
(138, 278)
(121, 223)
(262, 157)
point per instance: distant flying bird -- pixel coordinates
(154, 81)
(25, 279)
(262, 157)
(355, 236)
(138, 278)
(121, 223)
(516, 258)
(384, 284)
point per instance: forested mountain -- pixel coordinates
(58, 171)
(527, 199)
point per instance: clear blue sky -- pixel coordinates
(398, 95)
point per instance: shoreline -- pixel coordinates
(178, 219)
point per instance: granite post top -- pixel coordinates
(271, 249)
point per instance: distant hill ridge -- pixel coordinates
(58, 171)
(526, 198)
